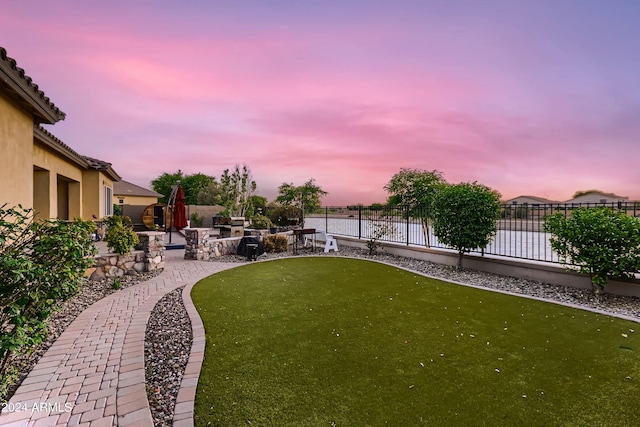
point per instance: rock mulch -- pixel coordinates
(167, 346)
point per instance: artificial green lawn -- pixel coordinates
(318, 341)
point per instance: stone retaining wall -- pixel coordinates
(150, 258)
(201, 246)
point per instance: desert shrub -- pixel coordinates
(598, 242)
(465, 216)
(120, 236)
(259, 221)
(196, 220)
(285, 215)
(41, 264)
(275, 243)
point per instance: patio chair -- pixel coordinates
(330, 243)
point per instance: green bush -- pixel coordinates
(465, 216)
(285, 215)
(260, 222)
(598, 242)
(41, 264)
(120, 236)
(275, 243)
(196, 220)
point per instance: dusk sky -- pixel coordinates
(537, 97)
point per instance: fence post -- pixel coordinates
(359, 222)
(407, 210)
(326, 219)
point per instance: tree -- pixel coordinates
(210, 195)
(583, 192)
(308, 194)
(192, 185)
(598, 242)
(237, 188)
(416, 190)
(164, 183)
(465, 216)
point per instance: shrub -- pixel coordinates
(285, 215)
(259, 221)
(465, 216)
(41, 263)
(275, 243)
(196, 220)
(120, 236)
(598, 242)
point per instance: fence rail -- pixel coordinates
(520, 231)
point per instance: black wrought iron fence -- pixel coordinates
(520, 227)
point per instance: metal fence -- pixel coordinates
(520, 231)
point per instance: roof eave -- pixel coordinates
(23, 88)
(58, 146)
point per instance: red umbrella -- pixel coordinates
(179, 211)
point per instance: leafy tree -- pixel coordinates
(583, 192)
(309, 194)
(598, 242)
(194, 184)
(164, 183)
(237, 188)
(41, 264)
(465, 216)
(416, 190)
(210, 195)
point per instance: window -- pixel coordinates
(108, 201)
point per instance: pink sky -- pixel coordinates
(528, 97)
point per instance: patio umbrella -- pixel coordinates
(179, 211)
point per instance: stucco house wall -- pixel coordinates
(37, 170)
(16, 166)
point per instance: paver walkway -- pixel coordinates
(93, 375)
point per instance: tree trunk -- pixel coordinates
(460, 259)
(598, 290)
(425, 231)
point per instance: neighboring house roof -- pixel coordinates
(125, 188)
(598, 194)
(536, 199)
(21, 87)
(102, 166)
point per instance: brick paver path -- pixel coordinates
(93, 375)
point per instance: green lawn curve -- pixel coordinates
(319, 341)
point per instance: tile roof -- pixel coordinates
(102, 166)
(20, 86)
(47, 138)
(125, 188)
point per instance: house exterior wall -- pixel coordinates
(93, 193)
(135, 200)
(61, 175)
(16, 166)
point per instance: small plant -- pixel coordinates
(261, 222)
(380, 229)
(196, 220)
(275, 243)
(120, 236)
(117, 283)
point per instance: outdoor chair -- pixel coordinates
(330, 243)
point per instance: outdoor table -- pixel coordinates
(298, 235)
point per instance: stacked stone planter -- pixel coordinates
(150, 258)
